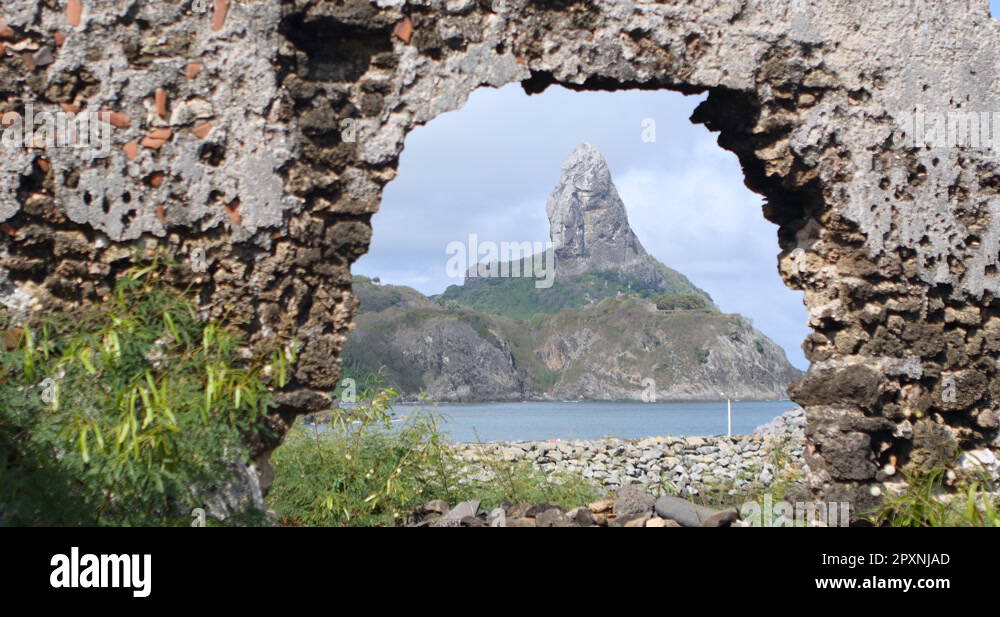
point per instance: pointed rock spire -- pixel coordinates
(588, 223)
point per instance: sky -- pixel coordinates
(489, 168)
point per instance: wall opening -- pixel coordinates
(486, 174)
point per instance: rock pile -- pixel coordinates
(687, 465)
(790, 422)
(631, 508)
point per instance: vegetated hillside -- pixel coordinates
(604, 351)
(607, 350)
(451, 354)
(613, 319)
(519, 298)
(375, 297)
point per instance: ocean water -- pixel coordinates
(537, 421)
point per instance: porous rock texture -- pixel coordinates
(286, 120)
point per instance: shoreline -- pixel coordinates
(687, 465)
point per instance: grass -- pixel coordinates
(928, 501)
(369, 467)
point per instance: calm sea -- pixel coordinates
(535, 421)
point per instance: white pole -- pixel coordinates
(729, 417)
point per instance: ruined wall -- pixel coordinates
(252, 140)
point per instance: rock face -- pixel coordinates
(447, 355)
(617, 349)
(588, 224)
(268, 203)
(608, 347)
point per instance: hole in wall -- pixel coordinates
(485, 175)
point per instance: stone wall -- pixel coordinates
(252, 140)
(686, 465)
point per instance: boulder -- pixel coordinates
(692, 515)
(631, 503)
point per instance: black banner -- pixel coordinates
(165, 567)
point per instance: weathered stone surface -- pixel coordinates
(460, 515)
(582, 516)
(631, 504)
(894, 246)
(588, 223)
(692, 515)
(553, 517)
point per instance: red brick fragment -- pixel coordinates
(404, 30)
(161, 103)
(233, 210)
(192, 70)
(219, 17)
(115, 118)
(152, 143)
(131, 150)
(74, 12)
(202, 130)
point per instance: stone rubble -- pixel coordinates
(689, 465)
(631, 508)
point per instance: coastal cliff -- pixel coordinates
(616, 324)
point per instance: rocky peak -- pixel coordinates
(588, 224)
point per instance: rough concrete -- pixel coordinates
(309, 101)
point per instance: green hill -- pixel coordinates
(605, 350)
(518, 298)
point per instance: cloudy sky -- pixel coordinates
(489, 168)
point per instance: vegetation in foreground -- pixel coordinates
(122, 415)
(368, 467)
(973, 501)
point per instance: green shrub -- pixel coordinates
(117, 416)
(369, 467)
(682, 302)
(519, 298)
(702, 355)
